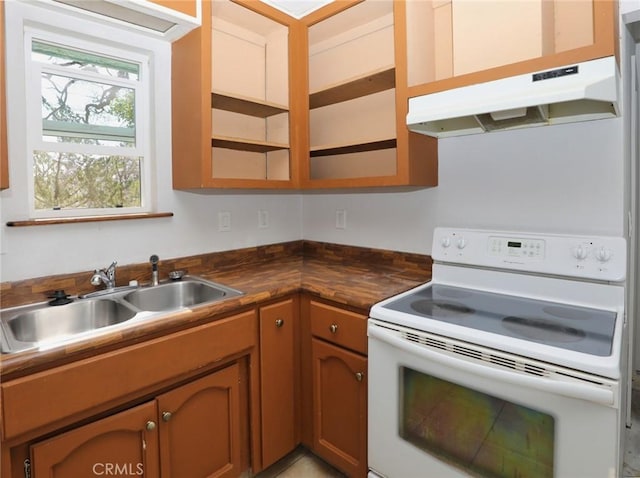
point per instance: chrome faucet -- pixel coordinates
(154, 269)
(106, 276)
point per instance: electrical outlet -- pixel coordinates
(341, 218)
(224, 221)
(263, 219)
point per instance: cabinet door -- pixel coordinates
(200, 427)
(340, 407)
(277, 342)
(123, 444)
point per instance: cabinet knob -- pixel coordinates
(333, 328)
(166, 416)
(279, 323)
(151, 425)
(359, 376)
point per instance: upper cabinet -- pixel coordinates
(356, 120)
(453, 43)
(4, 162)
(232, 102)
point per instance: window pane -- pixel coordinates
(80, 60)
(82, 181)
(84, 111)
(479, 433)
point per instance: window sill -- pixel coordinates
(77, 219)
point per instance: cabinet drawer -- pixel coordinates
(339, 326)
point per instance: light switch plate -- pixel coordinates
(224, 221)
(341, 218)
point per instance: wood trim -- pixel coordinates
(374, 82)
(267, 11)
(328, 10)
(188, 7)
(4, 158)
(318, 151)
(298, 103)
(244, 105)
(191, 105)
(79, 219)
(242, 144)
(417, 154)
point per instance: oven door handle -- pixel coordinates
(582, 391)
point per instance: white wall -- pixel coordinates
(564, 179)
(44, 250)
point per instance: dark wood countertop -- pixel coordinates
(354, 277)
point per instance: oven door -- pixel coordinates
(440, 408)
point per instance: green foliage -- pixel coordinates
(72, 180)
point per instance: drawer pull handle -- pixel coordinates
(333, 328)
(279, 323)
(166, 416)
(151, 425)
(359, 376)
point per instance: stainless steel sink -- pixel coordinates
(24, 326)
(188, 292)
(42, 325)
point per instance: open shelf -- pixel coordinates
(352, 148)
(373, 82)
(241, 144)
(245, 105)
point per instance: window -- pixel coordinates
(88, 122)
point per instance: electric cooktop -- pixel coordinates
(566, 326)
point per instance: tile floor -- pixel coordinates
(302, 464)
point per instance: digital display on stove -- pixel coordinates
(514, 244)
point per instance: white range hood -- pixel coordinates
(579, 92)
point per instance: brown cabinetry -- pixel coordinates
(202, 406)
(335, 385)
(233, 107)
(453, 43)
(201, 426)
(357, 131)
(126, 443)
(278, 386)
(193, 430)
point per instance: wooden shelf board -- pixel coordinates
(241, 144)
(245, 105)
(352, 148)
(381, 80)
(77, 219)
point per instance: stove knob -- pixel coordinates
(462, 243)
(445, 242)
(580, 252)
(603, 254)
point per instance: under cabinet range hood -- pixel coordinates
(579, 92)
(150, 18)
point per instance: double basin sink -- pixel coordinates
(41, 325)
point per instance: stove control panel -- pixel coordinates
(526, 249)
(590, 257)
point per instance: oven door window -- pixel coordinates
(481, 434)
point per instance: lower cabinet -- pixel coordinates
(193, 430)
(278, 384)
(340, 407)
(334, 384)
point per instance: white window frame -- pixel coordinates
(34, 130)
